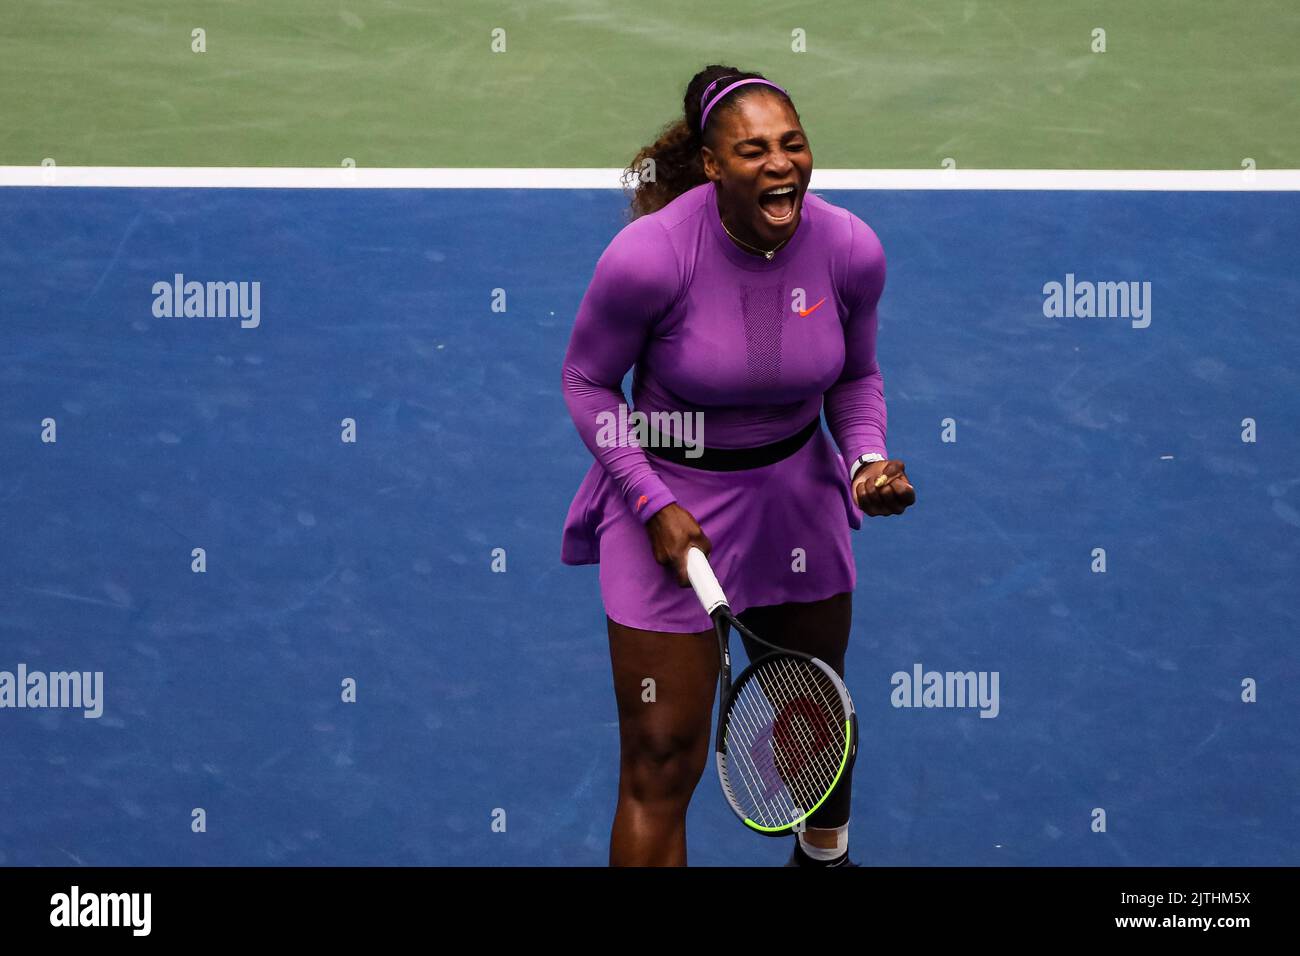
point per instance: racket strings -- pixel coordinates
(815, 737)
(758, 712)
(784, 740)
(768, 806)
(783, 680)
(800, 679)
(778, 794)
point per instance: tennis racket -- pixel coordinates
(787, 730)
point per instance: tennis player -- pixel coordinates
(745, 304)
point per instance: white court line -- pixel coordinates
(267, 177)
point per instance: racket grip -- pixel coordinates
(704, 581)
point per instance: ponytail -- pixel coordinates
(671, 165)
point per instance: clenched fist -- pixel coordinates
(882, 488)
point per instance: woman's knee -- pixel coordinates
(665, 686)
(662, 765)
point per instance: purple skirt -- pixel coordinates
(755, 520)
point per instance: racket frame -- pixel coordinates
(715, 604)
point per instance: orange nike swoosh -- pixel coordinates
(640, 501)
(814, 308)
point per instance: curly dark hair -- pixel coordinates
(674, 156)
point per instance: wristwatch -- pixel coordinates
(862, 460)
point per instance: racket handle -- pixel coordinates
(705, 582)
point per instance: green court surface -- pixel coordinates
(892, 84)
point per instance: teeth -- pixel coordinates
(779, 191)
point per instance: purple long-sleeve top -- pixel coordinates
(756, 346)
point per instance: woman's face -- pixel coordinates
(759, 147)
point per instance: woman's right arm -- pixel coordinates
(636, 282)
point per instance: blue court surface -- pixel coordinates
(478, 690)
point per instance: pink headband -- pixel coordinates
(704, 117)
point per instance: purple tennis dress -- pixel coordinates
(755, 347)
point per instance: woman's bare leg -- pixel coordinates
(665, 685)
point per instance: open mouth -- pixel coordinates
(777, 204)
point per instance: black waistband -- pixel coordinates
(733, 459)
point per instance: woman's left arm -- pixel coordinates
(855, 404)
